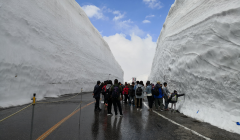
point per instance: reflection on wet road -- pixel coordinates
(87, 124)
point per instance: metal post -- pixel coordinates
(33, 104)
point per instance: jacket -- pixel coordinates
(125, 90)
(142, 91)
(173, 94)
(159, 90)
(149, 89)
(97, 91)
(120, 89)
(166, 92)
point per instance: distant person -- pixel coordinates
(174, 98)
(104, 92)
(158, 95)
(139, 95)
(96, 95)
(131, 94)
(116, 93)
(109, 97)
(125, 91)
(149, 95)
(166, 95)
(135, 93)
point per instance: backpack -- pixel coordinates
(174, 98)
(139, 91)
(115, 92)
(156, 91)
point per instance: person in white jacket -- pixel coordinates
(139, 92)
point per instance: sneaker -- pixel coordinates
(121, 115)
(109, 114)
(140, 109)
(137, 109)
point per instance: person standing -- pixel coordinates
(139, 95)
(149, 95)
(131, 94)
(125, 91)
(109, 97)
(166, 95)
(158, 96)
(96, 95)
(135, 103)
(116, 93)
(174, 98)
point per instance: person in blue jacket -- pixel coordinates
(159, 97)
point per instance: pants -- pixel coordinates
(130, 99)
(174, 106)
(135, 99)
(150, 101)
(139, 102)
(159, 101)
(116, 103)
(97, 103)
(126, 98)
(109, 106)
(166, 102)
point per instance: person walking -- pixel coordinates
(174, 98)
(139, 95)
(166, 95)
(131, 94)
(158, 95)
(96, 95)
(116, 93)
(149, 95)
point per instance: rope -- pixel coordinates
(15, 113)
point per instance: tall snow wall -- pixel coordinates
(50, 47)
(198, 53)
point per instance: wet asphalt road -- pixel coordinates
(133, 125)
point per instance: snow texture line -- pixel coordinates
(194, 132)
(58, 101)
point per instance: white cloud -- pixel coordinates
(93, 11)
(119, 15)
(153, 3)
(150, 16)
(135, 55)
(146, 21)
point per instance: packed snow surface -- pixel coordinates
(198, 53)
(49, 47)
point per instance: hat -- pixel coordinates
(158, 82)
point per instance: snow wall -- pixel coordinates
(198, 53)
(50, 47)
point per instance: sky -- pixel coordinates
(131, 29)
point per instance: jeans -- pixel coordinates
(139, 102)
(97, 103)
(159, 101)
(116, 103)
(109, 106)
(130, 100)
(150, 101)
(126, 98)
(166, 102)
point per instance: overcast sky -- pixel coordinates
(131, 28)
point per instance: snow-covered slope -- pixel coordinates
(198, 53)
(49, 47)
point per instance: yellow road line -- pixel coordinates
(15, 113)
(44, 135)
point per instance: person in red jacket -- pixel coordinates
(104, 92)
(125, 90)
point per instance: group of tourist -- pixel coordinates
(134, 95)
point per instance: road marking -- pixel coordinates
(179, 124)
(44, 135)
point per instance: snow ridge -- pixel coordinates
(198, 53)
(50, 48)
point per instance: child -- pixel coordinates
(173, 99)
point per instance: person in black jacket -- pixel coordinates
(174, 98)
(96, 95)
